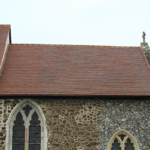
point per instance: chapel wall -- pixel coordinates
(86, 124)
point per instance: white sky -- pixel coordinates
(86, 22)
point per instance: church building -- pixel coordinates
(73, 97)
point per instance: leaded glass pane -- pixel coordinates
(18, 133)
(35, 133)
(129, 145)
(116, 145)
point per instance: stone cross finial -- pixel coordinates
(143, 36)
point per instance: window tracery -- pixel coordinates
(33, 128)
(26, 128)
(122, 140)
(27, 110)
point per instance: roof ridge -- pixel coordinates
(74, 45)
(5, 25)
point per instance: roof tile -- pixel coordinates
(74, 70)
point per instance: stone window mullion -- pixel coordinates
(27, 138)
(124, 141)
(119, 140)
(122, 146)
(28, 116)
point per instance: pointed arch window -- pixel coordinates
(26, 128)
(123, 140)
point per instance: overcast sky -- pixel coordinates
(83, 22)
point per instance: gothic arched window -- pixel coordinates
(122, 140)
(26, 128)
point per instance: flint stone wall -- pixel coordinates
(86, 124)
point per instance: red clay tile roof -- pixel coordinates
(4, 30)
(74, 70)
